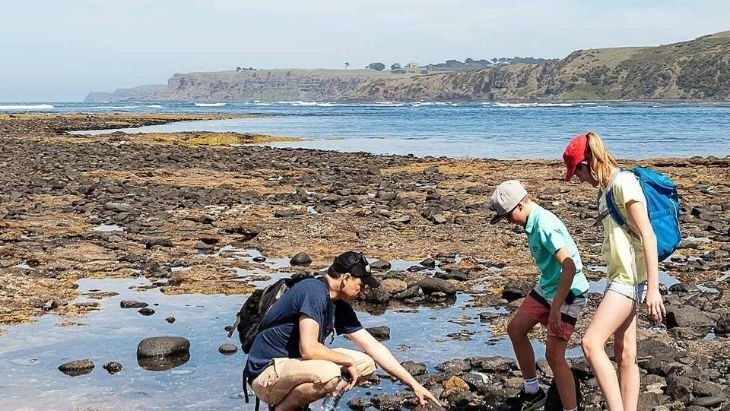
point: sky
(59, 50)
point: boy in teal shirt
(561, 281)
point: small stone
(132, 304)
(146, 311)
(259, 259)
(77, 367)
(203, 246)
(113, 367)
(380, 265)
(227, 349)
(170, 319)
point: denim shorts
(636, 292)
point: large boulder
(300, 259)
(381, 333)
(688, 316)
(163, 346)
(432, 285)
(163, 353)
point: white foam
(387, 104)
(210, 104)
(528, 105)
(26, 107)
(115, 107)
(154, 106)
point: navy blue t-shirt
(311, 298)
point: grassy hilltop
(698, 70)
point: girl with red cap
(632, 270)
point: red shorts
(535, 306)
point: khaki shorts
(284, 374)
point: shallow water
(481, 130)
(31, 353)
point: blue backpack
(662, 203)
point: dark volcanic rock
(688, 316)
(457, 275)
(679, 388)
(113, 367)
(132, 304)
(359, 403)
(491, 364)
(300, 259)
(77, 367)
(414, 368)
(514, 290)
(454, 367)
(376, 295)
(158, 241)
(163, 346)
(722, 327)
(146, 311)
(381, 333)
(380, 265)
(432, 285)
(227, 349)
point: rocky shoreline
(122, 205)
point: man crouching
(290, 367)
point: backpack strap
(245, 390)
(612, 209)
(615, 214)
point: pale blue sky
(59, 50)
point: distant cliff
(697, 69)
(141, 93)
(268, 85)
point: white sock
(531, 385)
(570, 409)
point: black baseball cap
(356, 265)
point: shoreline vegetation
(181, 198)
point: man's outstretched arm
(385, 359)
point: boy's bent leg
(555, 355)
(280, 379)
(517, 329)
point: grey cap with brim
(505, 198)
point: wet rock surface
(113, 367)
(77, 367)
(159, 347)
(181, 209)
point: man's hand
(554, 321)
(352, 370)
(424, 396)
(655, 305)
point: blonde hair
(601, 161)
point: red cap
(574, 153)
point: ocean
(460, 130)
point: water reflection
(162, 364)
